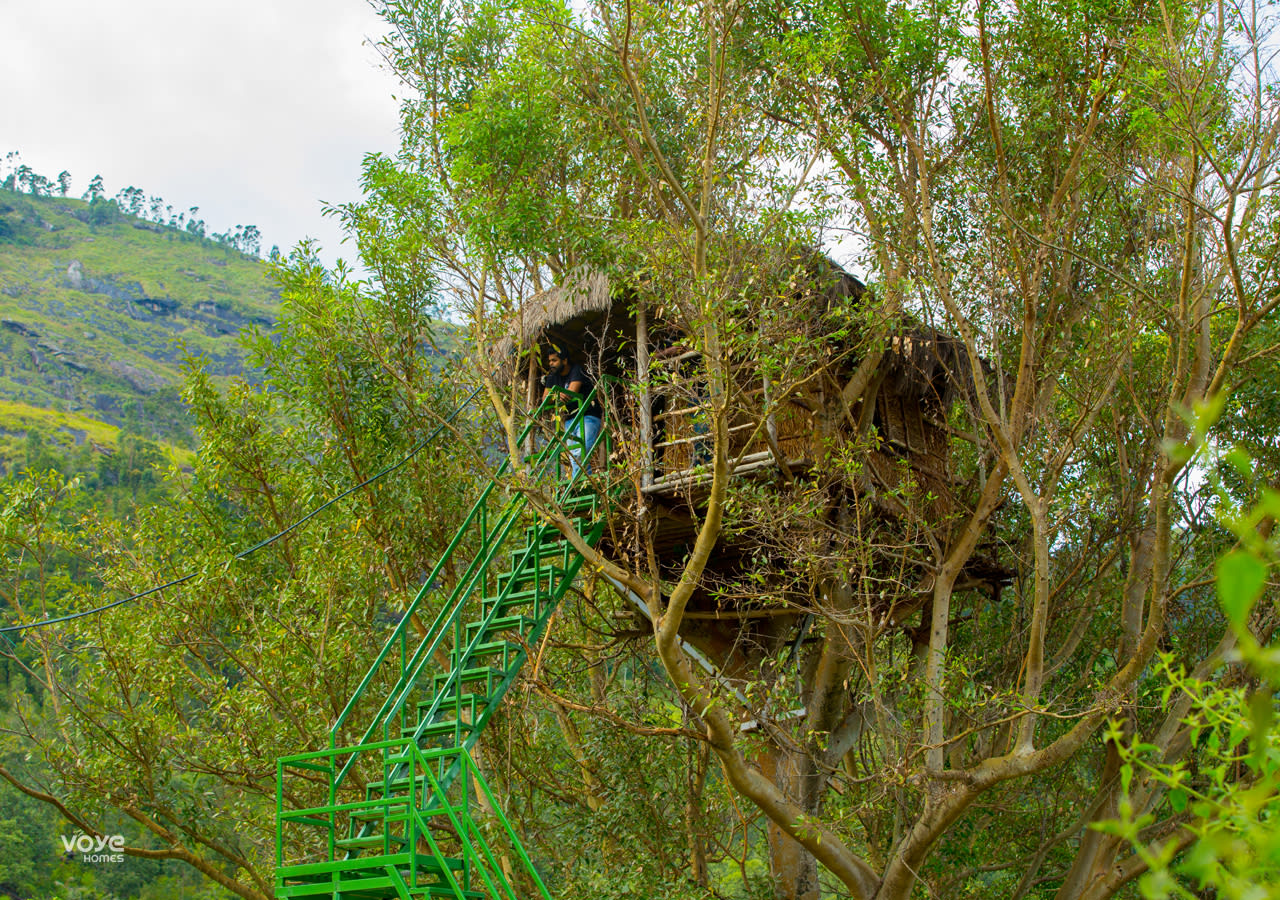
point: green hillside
(99, 309)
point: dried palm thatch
(574, 309)
(920, 361)
(928, 364)
(540, 316)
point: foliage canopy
(1082, 193)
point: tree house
(785, 428)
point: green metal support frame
(400, 873)
(385, 845)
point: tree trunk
(793, 869)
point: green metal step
(397, 787)
(366, 842)
(505, 649)
(427, 864)
(436, 729)
(544, 567)
(581, 503)
(370, 877)
(352, 868)
(548, 532)
(516, 604)
(522, 597)
(499, 624)
(380, 815)
(516, 597)
(449, 703)
(529, 557)
(466, 676)
(374, 887)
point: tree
(131, 200)
(12, 160)
(95, 190)
(161, 718)
(249, 239)
(245, 238)
(194, 225)
(64, 182)
(1081, 194)
(103, 211)
(25, 177)
(1230, 784)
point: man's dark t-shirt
(575, 373)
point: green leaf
(1261, 715)
(1178, 799)
(1241, 576)
(1269, 503)
(1241, 461)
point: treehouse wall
(659, 397)
(685, 440)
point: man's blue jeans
(580, 438)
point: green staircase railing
(404, 812)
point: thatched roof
(582, 291)
(575, 309)
(575, 314)
(928, 363)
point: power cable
(263, 543)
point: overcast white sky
(253, 110)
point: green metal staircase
(404, 812)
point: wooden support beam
(646, 396)
(752, 462)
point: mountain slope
(98, 311)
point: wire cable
(263, 543)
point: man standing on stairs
(564, 373)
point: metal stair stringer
(389, 844)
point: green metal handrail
(477, 854)
(453, 683)
(402, 756)
(464, 588)
(462, 655)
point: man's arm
(576, 379)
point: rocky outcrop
(159, 306)
(108, 335)
(220, 319)
(217, 318)
(138, 379)
(139, 305)
(19, 328)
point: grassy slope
(103, 341)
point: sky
(254, 110)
